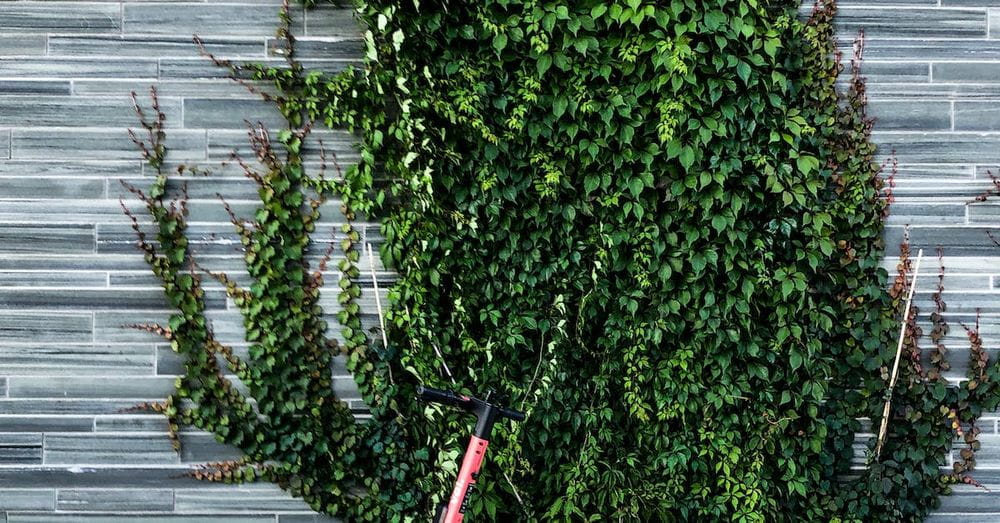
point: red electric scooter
(487, 412)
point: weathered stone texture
(70, 275)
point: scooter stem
(467, 477)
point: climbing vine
(655, 226)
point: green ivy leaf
(794, 360)
(687, 157)
(743, 70)
(807, 164)
(500, 42)
(559, 105)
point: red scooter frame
(487, 412)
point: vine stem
(378, 300)
(895, 365)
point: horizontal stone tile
(928, 280)
(169, 363)
(933, 171)
(925, 49)
(910, 190)
(37, 16)
(984, 213)
(200, 448)
(987, 172)
(988, 456)
(320, 48)
(34, 87)
(170, 45)
(887, 3)
(977, 116)
(207, 218)
(911, 116)
(20, 449)
(941, 516)
(62, 239)
(237, 500)
(51, 188)
(345, 388)
(48, 169)
(68, 211)
(54, 67)
(912, 23)
(91, 262)
(40, 423)
(922, 213)
(948, 148)
(110, 387)
(966, 72)
(200, 68)
(22, 44)
(207, 243)
(339, 144)
(971, 501)
(65, 406)
(111, 326)
(70, 517)
(116, 240)
(48, 279)
(957, 241)
(27, 499)
(96, 144)
(229, 169)
(216, 88)
(38, 327)
(995, 22)
(203, 19)
(198, 188)
(77, 360)
(109, 477)
(116, 500)
(118, 449)
(989, 326)
(131, 423)
(961, 302)
(969, 3)
(43, 298)
(877, 72)
(933, 91)
(79, 111)
(229, 114)
(148, 279)
(332, 21)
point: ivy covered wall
(71, 275)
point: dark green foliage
(655, 225)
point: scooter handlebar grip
(438, 396)
(513, 414)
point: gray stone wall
(934, 83)
(70, 276)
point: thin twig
(378, 300)
(895, 366)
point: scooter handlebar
(447, 397)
